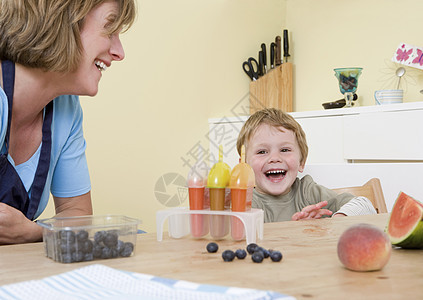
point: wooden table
(310, 268)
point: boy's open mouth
(274, 174)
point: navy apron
(12, 190)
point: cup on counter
(388, 96)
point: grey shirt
(306, 192)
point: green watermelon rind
(413, 239)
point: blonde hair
(276, 118)
(45, 34)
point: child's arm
(314, 211)
(356, 206)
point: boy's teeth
(100, 65)
(276, 172)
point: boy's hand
(314, 211)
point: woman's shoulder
(67, 108)
(66, 103)
(67, 114)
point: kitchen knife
(278, 49)
(264, 53)
(272, 55)
(261, 71)
(285, 45)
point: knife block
(273, 90)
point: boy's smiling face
(275, 156)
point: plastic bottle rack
(216, 223)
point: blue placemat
(102, 282)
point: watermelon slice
(405, 227)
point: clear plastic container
(217, 182)
(241, 183)
(86, 238)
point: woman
(48, 51)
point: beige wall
(183, 66)
(328, 34)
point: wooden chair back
(372, 190)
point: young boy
(276, 149)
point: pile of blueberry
(76, 246)
(257, 253)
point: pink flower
(419, 58)
(403, 54)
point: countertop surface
(335, 112)
(310, 268)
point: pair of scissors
(251, 68)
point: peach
(364, 247)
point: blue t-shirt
(68, 173)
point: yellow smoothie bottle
(217, 182)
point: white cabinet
(324, 138)
(369, 133)
(394, 135)
(348, 146)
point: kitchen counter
(310, 268)
(335, 111)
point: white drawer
(324, 139)
(384, 136)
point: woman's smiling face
(275, 156)
(99, 48)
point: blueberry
(212, 247)
(264, 251)
(120, 246)
(106, 253)
(82, 236)
(111, 239)
(128, 248)
(67, 247)
(97, 250)
(99, 236)
(87, 246)
(88, 257)
(67, 236)
(240, 253)
(115, 253)
(67, 258)
(251, 248)
(276, 256)
(257, 257)
(78, 256)
(228, 255)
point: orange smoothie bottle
(241, 183)
(217, 182)
(197, 179)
